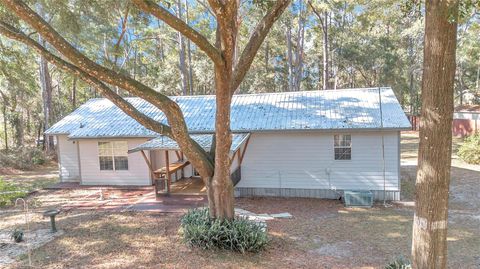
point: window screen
(113, 155)
(342, 147)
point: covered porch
(172, 173)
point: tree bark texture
(184, 77)
(228, 76)
(325, 51)
(429, 246)
(74, 93)
(221, 193)
(189, 53)
(46, 84)
(5, 130)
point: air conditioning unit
(358, 198)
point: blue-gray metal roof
(204, 140)
(304, 110)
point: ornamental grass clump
(469, 151)
(239, 234)
(399, 263)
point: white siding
(301, 161)
(68, 159)
(137, 173)
(466, 115)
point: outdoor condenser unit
(358, 198)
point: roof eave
(247, 131)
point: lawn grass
(17, 184)
(10, 192)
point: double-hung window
(113, 155)
(342, 146)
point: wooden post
(244, 149)
(179, 157)
(167, 171)
(183, 168)
(149, 164)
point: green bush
(469, 151)
(199, 230)
(17, 235)
(24, 158)
(9, 192)
(399, 263)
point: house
(466, 120)
(295, 144)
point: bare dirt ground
(322, 234)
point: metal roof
(204, 140)
(304, 110)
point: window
(113, 155)
(342, 147)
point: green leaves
(241, 235)
(469, 151)
(9, 192)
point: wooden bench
(165, 173)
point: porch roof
(204, 140)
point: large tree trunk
(220, 187)
(47, 88)
(5, 129)
(324, 26)
(74, 93)
(221, 184)
(325, 51)
(181, 55)
(189, 53)
(429, 246)
(299, 52)
(227, 80)
(477, 81)
(289, 58)
(16, 120)
(46, 84)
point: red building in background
(466, 120)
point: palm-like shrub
(469, 151)
(239, 234)
(399, 263)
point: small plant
(9, 192)
(399, 263)
(469, 151)
(239, 234)
(17, 235)
(23, 158)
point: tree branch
(179, 25)
(13, 33)
(255, 42)
(171, 109)
(315, 11)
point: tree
(429, 246)
(214, 167)
(324, 26)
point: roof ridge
(257, 94)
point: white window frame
(342, 147)
(113, 155)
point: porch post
(167, 171)
(183, 168)
(148, 164)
